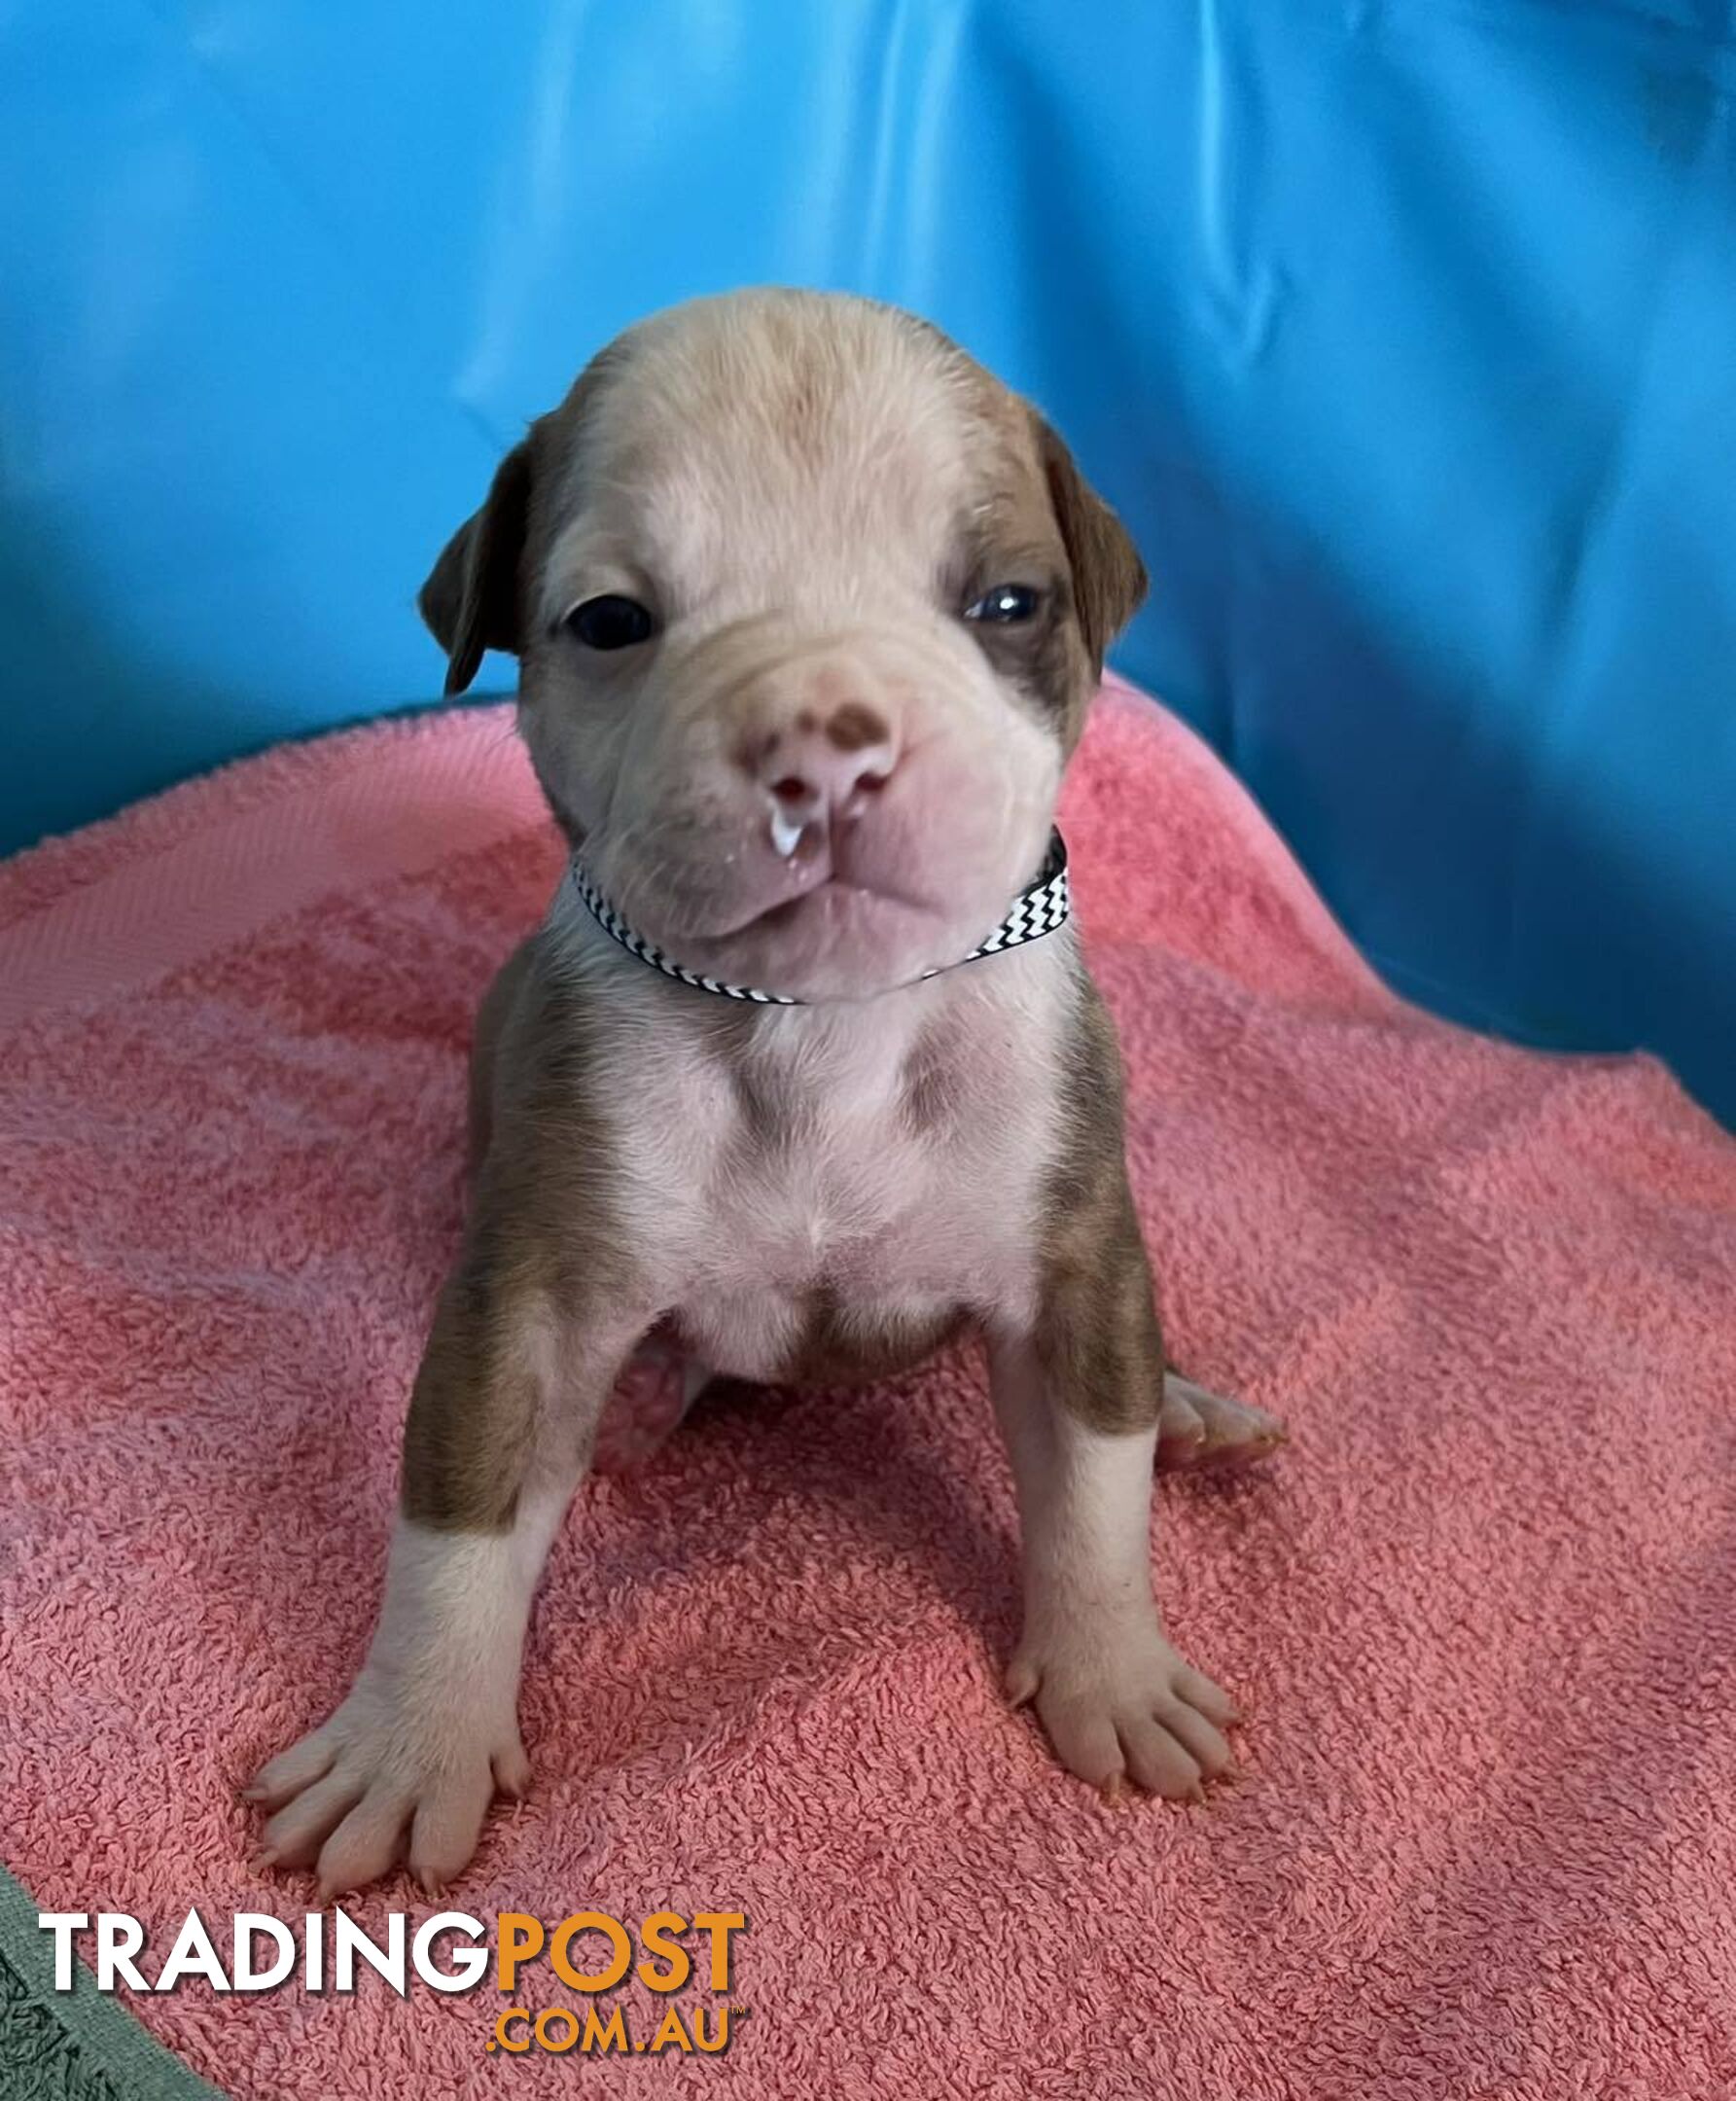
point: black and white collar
(1039, 908)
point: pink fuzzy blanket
(1480, 1613)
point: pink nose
(827, 765)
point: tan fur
(1109, 579)
(1099, 1335)
(544, 1249)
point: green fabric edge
(76, 2045)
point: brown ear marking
(1109, 579)
(471, 598)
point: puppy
(803, 1073)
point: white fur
(902, 1224)
(430, 1728)
(1114, 1695)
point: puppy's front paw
(1119, 1701)
(387, 1768)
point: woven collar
(1042, 907)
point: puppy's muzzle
(824, 763)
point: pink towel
(1480, 1613)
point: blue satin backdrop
(1402, 332)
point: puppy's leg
(1079, 1388)
(520, 1360)
(1112, 1693)
(1201, 1429)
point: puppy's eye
(1005, 606)
(609, 622)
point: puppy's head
(810, 609)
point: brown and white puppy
(810, 609)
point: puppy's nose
(826, 764)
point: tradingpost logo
(685, 1961)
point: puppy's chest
(837, 1212)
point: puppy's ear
(471, 598)
(1109, 579)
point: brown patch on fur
(469, 1436)
(1043, 656)
(766, 1119)
(1109, 579)
(750, 754)
(1037, 520)
(931, 1085)
(1098, 1334)
(853, 726)
(475, 597)
(838, 1349)
(541, 1250)
(1056, 672)
(808, 404)
(471, 598)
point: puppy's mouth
(807, 929)
(829, 893)
(835, 910)
(821, 881)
